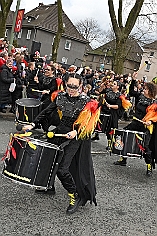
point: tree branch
(113, 18)
(120, 14)
(133, 16)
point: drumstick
(60, 135)
(142, 66)
(138, 120)
(51, 135)
(36, 90)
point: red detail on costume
(59, 81)
(91, 106)
(13, 152)
(140, 146)
(111, 132)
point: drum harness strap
(10, 148)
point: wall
(150, 74)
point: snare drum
(32, 162)
(27, 109)
(105, 120)
(128, 143)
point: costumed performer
(111, 104)
(79, 118)
(140, 121)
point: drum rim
(28, 105)
(130, 131)
(39, 142)
(105, 114)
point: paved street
(126, 200)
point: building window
(68, 44)
(151, 54)
(20, 34)
(107, 61)
(148, 67)
(101, 59)
(94, 58)
(6, 33)
(64, 60)
(28, 34)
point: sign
(19, 19)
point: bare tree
(5, 8)
(123, 28)
(91, 31)
(59, 32)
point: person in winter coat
(6, 78)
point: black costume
(76, 168)
(112, 98)
(48, 83)
(140, 111)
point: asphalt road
(126, 200)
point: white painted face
(73, 87)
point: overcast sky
(75, 9)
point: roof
(152, 45)
(134, 50)
(45, 17)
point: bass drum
(32, 162)
(127, 143)
(27, 109)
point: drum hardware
(98, 152)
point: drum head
(28, 102)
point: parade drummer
(141, 122)
(111, 104)
(79, 118)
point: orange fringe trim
(125, 103)
(151, 113)
(87, 120)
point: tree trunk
(122, 32)
(59, 32)
(120, 56)
(2, 26)
(5, 8)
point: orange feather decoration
(151, 113)
(87, 120)
(125, 103)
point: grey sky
(75, 9)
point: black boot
(75, 202)
(149, 170)
(120, 162)
(49, 191)
(95, 137)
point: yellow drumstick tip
(50, 134)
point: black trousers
(63, 172)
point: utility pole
(13, 26)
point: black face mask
(70, 86)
